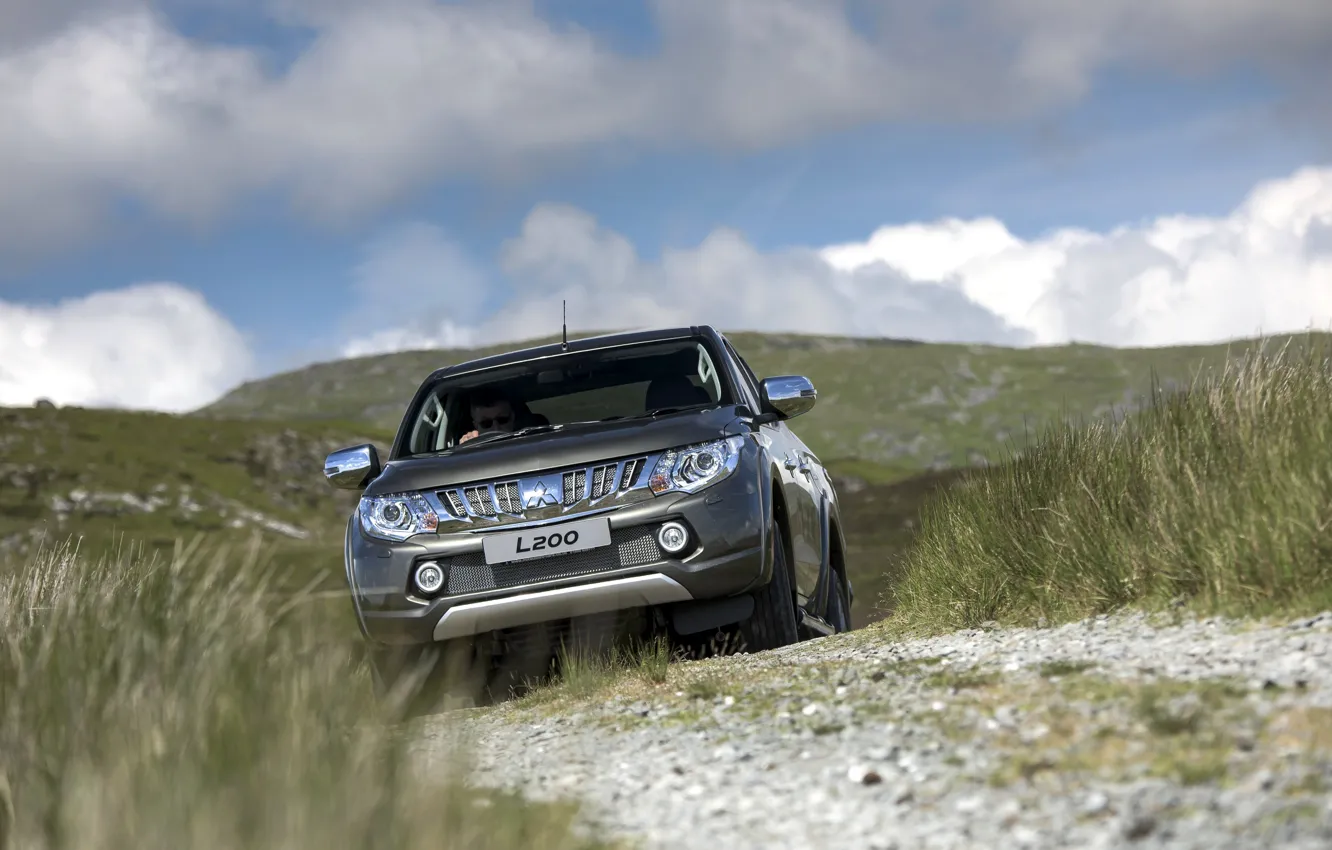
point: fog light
(673, 537)
(429, 577)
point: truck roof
(553, 349)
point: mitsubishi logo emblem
(539, 497)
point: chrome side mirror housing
(789, 395)
(352, 468)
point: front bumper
(728, 525)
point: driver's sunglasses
(484, 424)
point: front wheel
(773, 622)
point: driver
(492, 412)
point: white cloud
(562, 254)
(118, 106)
(1169, 281)
(1265, 268)
(152, 346)
(114, 102)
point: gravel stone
(862, 775)
(863, 760)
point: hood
(579, 446)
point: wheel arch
(781, 518)
(832, 560)
(835, 548)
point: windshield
(615, 383)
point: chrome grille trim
(553, 494)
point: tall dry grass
(1218, 497)
(178, 705)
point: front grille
(630, 547)
(545, 495)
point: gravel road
(1112, 732)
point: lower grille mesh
(630, 547)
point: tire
(773, 623)
(839, 606)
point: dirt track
(1106, 733)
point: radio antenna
(564, 325)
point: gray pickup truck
(648, 473)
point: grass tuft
(584, 671)
(180, 704)
(1218, 497)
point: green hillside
(117, 478)
(886, 406)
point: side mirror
(353, 468)
(789, 395)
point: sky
(196, 193)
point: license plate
(546, 541)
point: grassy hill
(113, 478)
(886, 408)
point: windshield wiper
(487, 439)
(523, 432)
(509, 435)
(662, 411)
(649, 415)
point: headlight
(692, 468)
(397, 517)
